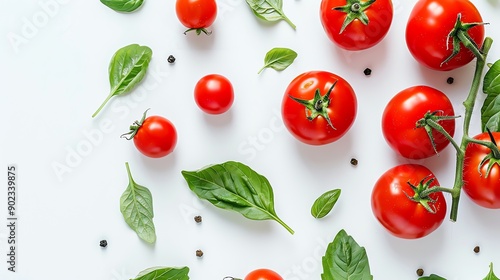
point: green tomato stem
(494, 149)
(102, 105)
(440, 129)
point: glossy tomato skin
(398, 214)
(263, 274)
(196, 13)
(401, 115)
(356, 36)
(214, 94)
(156, 137)
(484, 191)
(342, 109)
(428, 27)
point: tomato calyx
(354, 9)
(431, 121)
(230, 278)
(421, 193)
(459, 34)
(491, 159)
(134, 127)
(318, 106)
(198, 31)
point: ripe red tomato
(356, 34)
(429, 25)
(196, 14)
(262, 274)
(214, 94)
(154, 136)
(400, 215)
(318, 107)
(401, 115)
(483, 190)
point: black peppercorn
(103, 243)
(450, 80)
(171, 59)
(420, 272)
(368, 71)
(354, 161)
(476, 249)
(197, 219)
(199, 253)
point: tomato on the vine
(400, 204)
(154, 136)
(405, 109)
(259, 274)
(196, 15)
(214, 94)
(318, 107)
(356, 25)
(481, 177)
(428, 29)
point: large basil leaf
(345, 259)
(136, 205)
(490, 111)
(235, 186)
(127, 68)
(324, 203)
(491, 275)
(278, 59)
(432, 277)
(125, 6)
(269, 10)
(163, 273)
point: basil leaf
(235, 186)
(279, 59)
(432, 277)
(324, 204)
(127, 68)
(490, 111)
(125, 6)
(491, 275)
(269, 10)
(345, 259)
(136, 205)
(163, 273)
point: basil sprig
(163, 273)
(136, 205)
(490, 111)
(235, 186)
(279, 59)
(127, 68)
(269, 10)
(125, 6)
(324, 203)
(345, 259)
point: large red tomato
(428, 27)
(480, 184)
(196, 14)
(318, 107)
(356, 25)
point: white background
(56, 77)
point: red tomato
(322, 119)
(429, 25)
(196, 14)
(214, 94)
(399, 214)
(154, 136)
(263, 274)
(356, 35)
(401, 115)
(481, 186)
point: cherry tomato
(214, 94)
(259, 274)
(480, 185)
(154, 136)
(399, 121)
(196, 14)
(396, 204)
(318, 107)
(354, 24)
(429, 25)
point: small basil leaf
(490, 111)
(432, 277)
(127, 68)
(235, 186)
(269, 10)
(278, 59)
(324, 203)
(163, 273)
(491, 275)
(125, 6)
(136, 205)
(345, 259)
